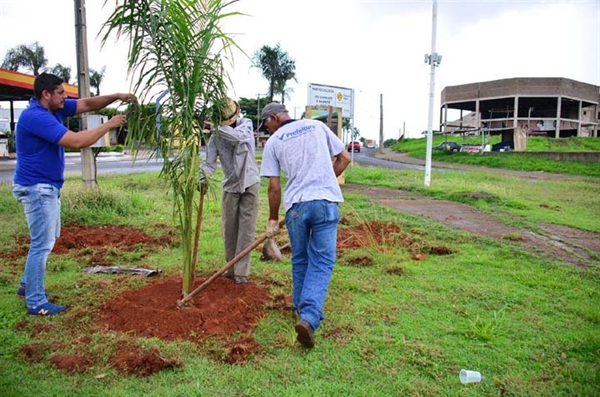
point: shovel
(260, 239)
(271, 251)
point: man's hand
(203, 185)
(272, 228)
(117, 121)
(127, 98)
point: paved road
(372, 158)
(118, 163)
(115, 163)
(106, 163)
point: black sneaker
(305, 334)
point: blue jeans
(312, 227)
(41, 204)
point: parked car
(504, 146)
(354, 146)
(450, 146)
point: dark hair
(45, 81)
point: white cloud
(374, 47)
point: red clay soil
(223, 308)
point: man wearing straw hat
(233, 144)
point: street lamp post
(434, 59)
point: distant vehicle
(449, 146)
(369, 143)
(503, 146)
(354, 147)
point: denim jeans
(312, 227)
(41, 204)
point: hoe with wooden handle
(260, 239)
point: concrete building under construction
(553, 107)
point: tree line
(32, 58)
(277, 67)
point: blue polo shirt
(40, 159)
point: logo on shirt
(296, 133)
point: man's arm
(100, 102)
(243, 131)
(274, 193)
(209, 165)
(341, 162)
(83, 139)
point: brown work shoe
(305, 334)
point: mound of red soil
(223, 308)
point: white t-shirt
(303, 150)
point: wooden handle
(222, 270)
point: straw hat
(230, 113)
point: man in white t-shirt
(303, 149)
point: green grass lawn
(511, 160)
(398, 327)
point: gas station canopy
(15, 86)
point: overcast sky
(374, 47)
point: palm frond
(175, 46)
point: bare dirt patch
(142, 363)
(223, 308)
(70, 363)
(571, 245)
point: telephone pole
(380, 150)
(88, 162)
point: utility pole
(257, 111)
(380, 124)
(88, 162)
(434, 59)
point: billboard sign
(327, 95)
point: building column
(477, 118)
(13, 125)
(558, 107)
(579, 121)
(516, 114)
(445, 116)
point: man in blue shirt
(39, 175)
